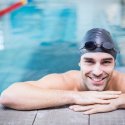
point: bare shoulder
(61, 81)
(72, 74)
(119, 80)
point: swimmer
(96, 87)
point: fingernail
(70, 107)
(75, 109)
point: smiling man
(96, 70)
(97, 87)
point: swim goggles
(106, 46)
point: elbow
(12, 97)
(6, 99)
(9, 98)
(11, 101)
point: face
(96, 69)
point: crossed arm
(113, 104)
(26, 96)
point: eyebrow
(110, 59)
(87, 58)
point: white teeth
(96, 80)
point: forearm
(31, 97)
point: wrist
(121, 101)
(74, 97)
(80, 98)
(71, 97)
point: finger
(99, 108)
(112, 92)
(95, 109)
(79, 108)
(101, 101)
(108, 96)
(71, 107)
(91, 111)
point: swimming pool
(41, 38)
(37, 43)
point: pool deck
(59, 116)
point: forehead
(97, 56)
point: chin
(96, 88)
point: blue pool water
(42, 38)
(37, 41)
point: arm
(47, 92)
(50, 91)
(23, 96)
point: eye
(106, 62)
(89, 62)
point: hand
(95, 97)
(95, 108)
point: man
(97, 87)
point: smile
(97, 81)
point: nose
(97, 70)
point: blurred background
(43, 36)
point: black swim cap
(98, 40)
